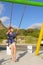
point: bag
(8, 50)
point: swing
(32, 3)
(8, 50)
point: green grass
(1, 41)
(30, 40)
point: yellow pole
(39, 40)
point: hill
(29, 35)
(1, 25)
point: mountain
(1, 25)
(35, 26)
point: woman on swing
(11, 35)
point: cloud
(35, 26)
(1, 8)
(3, 19)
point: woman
(11, 35)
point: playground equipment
(8, 49)
(25, 2)
(21, 16)
(39, 40)
(32, 3)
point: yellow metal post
(39, 40)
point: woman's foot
(14, 60)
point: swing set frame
(27, 2)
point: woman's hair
(10, 28)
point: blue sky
(38, 0)
(33, 15)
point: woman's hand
(8, 32)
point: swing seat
(8, 50)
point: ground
(23, 58)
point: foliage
(29, 34)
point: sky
(32, 15)
(38, 0)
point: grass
(1, 41)
(28, 39)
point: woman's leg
(14, 53)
